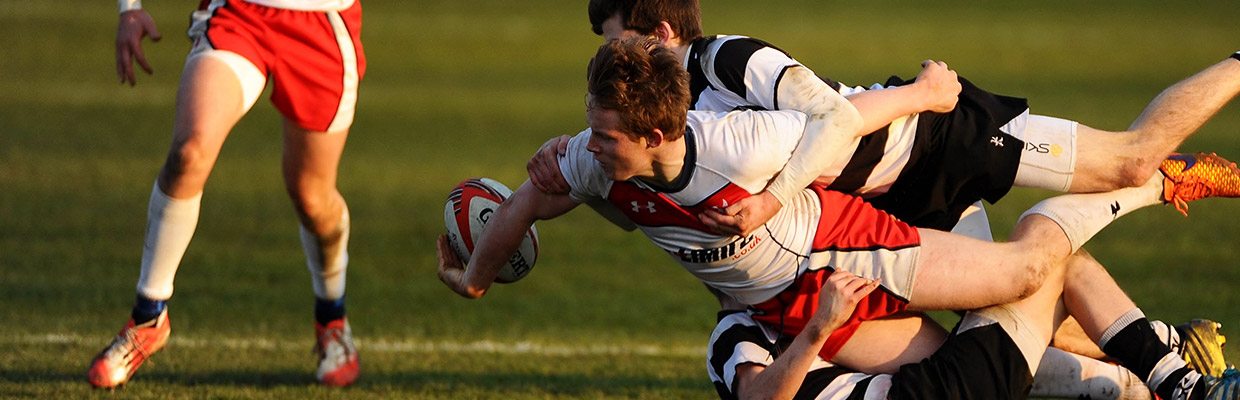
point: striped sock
(1133, 341)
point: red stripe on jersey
(792, 309)
(649, 208)
(850, 223)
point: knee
(317, 208)
(188, 159)
(1031, 277)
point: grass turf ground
(468, 88)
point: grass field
(465, 88)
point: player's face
(622, 157)
(613, 29)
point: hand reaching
(132, 27)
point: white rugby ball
(470, 205)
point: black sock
(145, 309)
(328, 310)
(1139, 349)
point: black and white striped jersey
(924, 168)
(731, 72)
(738, 339)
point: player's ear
(664, 32)
(654, 139)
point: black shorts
(981, 363)
(957, 159)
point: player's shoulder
(733, 46)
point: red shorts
(852, 236)
(314, 58)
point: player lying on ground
(311, 52)
(992, 141)
(991, 354)
(661, 169)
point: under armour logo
(997, 141)
(638, 207)
(1115, 210)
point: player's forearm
(879, 107)
(832, 125)
(504, 233)
(783, 378)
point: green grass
(464, 88)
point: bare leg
(914, 336)
(310, 167)
(1111, 160)
(209, 104)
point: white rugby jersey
(731, 72)
(738, 339)
(729, 156)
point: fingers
(544, 167)
(722, 223)
(141, 57)
(123, 70)
(562, 145)
(446, 256)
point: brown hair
(643, 16)
(644, 82)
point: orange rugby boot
(1189, 177)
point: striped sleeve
(747, 68)
(736, 340)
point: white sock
(1070, 376)
(1081, 216)
(170, 225)
(327, 258)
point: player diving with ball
(644, 147)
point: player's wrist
(128, 5)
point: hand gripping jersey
(923, 168)
(730, 156)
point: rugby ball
(470, 205)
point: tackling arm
(781, 380)
(501, 237)
(936, 90)
(832, 124)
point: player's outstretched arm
(130, 29)
(937, 89)
(781, 380)
(503, 234)
(544, 166)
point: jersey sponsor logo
(1053, 149)
(735, 250)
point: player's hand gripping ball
(470, 205)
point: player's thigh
(210, 100)
(1050, 156)
(956, 272)
(883, 345)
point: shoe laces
(334, 334)
(1186, 191)
(126, 344)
